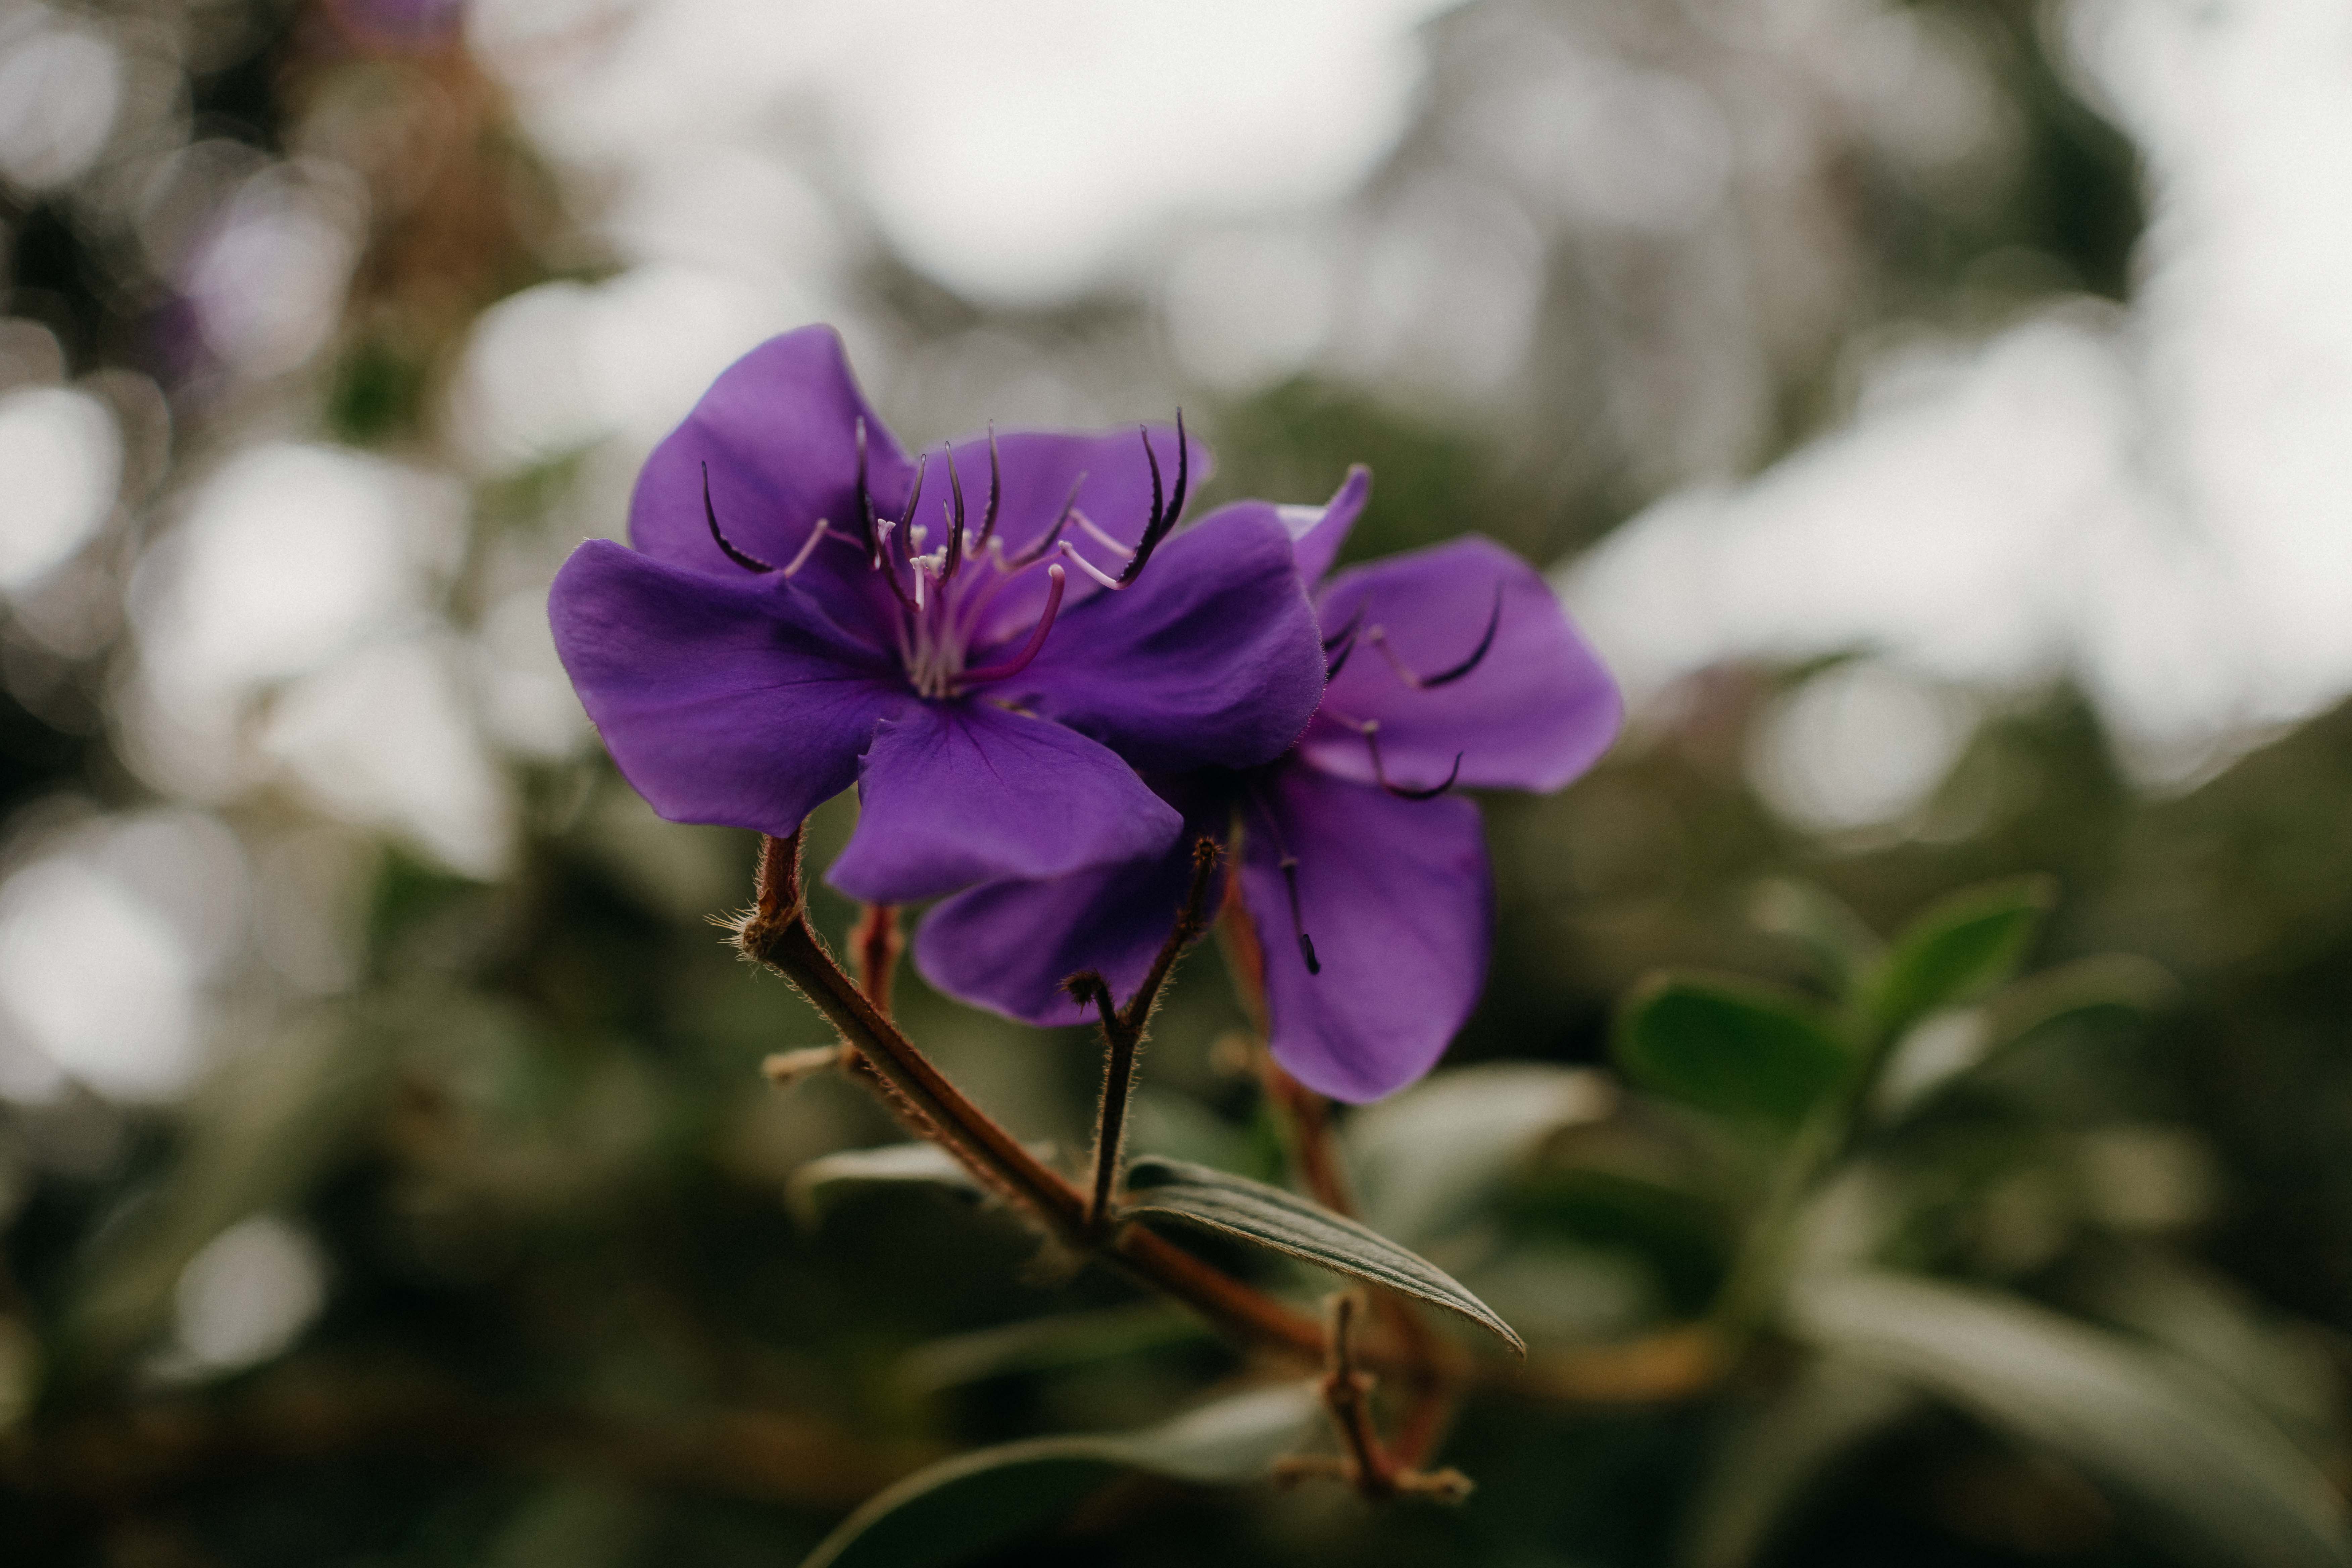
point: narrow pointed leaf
(1958, 949)
(962, 1508)
(1284, 1221)
(1731, 1046)
(2203, 1470)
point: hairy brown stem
(1123, 1030)
(776, 933)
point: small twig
(1123, 1030)
(1348, 1396)
(1366, 1464)
(877, 945)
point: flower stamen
(710, 515)
(1102, 536)
(1379, 638)
(1038, 551)
(1091, 570)
(1055, 577)
(816, 537)
(1162, 522)
(1369, 729)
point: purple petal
(777, 432)
(1537, 710)
(1209, 658)
(1318, 532)
(961, 792)
(1009, 945)
(728, 700)
(1396, 899)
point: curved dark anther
(710, 515)
(1339, 645)
(1370, 731)
(1306, 942)
(1163, 518)
(1184, 472)
(865, 500)
(1478, 653)
(1036, 552)
(914, 498)
(995, 493)
(881, 557)
(955, 522)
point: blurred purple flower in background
(788, 623)
(1451, 666)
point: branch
(776, 933)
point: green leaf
(1731, 1046)
(1774, 1454)
(963, 1507)
(1841, 946)
(925, 1165)
(1960, 949)
(1425, 1159)
(1940, 1050)
(1287, 1223)
(2205, 1473)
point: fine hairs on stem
(1123, 1030)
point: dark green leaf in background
(2201, 1470)
(1958, 949)
(1289, 1224)
(1731, 1046)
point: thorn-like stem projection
(1123, 1030)
(710, 515)
(776, 933)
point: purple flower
(983, 641)
(1367, 879)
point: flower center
(945, 592)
